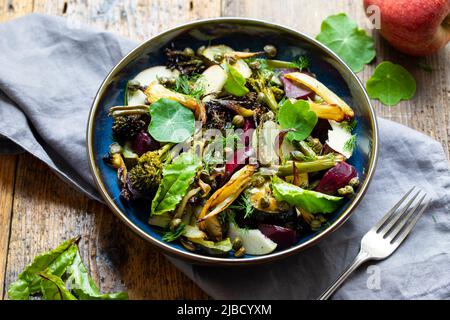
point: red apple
(414, 27)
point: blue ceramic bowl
(239, 34)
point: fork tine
(404, 220)
(385, 229)
(392, 211)
(397, 241)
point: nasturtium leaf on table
(53, 288)
(391, 83)
(297, 115)
(350, 43)
(177, 177)
(54, 262)
(170, 121)
(84, 287)
(311, 201)
(235, 83)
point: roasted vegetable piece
(219, 53)
(225, 196)
(234, 106)
(146, 175)
(127, 127)
(212, 81)
(143, 143)
(321, 90)
(283, 237)
(156, 91)
(261, 198)
(336, 178)
(260, 85)
(294, 90)
(327, 111)
(221, 248)
(319, 164)
(185, 61)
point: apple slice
(212, 81)
(137, 97)
(254, 241)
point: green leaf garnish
(190, 86)
(311, 201)
(177, 177)
(391, 83)
(54, 262)
(349, 42)
(84, 287)
(235, 83)
(44, 276)
(53, 288)
(171, 236)
(297, 116)
(171, 122)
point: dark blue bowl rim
(202, 259)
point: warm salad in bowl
(232, 151)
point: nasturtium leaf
(235, 83)
(298, 116)
(177, 177)
(391, 83)
(53, 288)
(170, 121)
(55, 262)
(84, 287)
(19, 290)
(311, 201)
(342, 35)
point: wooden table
(38, 211)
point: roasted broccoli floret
(126, 127)
(259, 83)
(146, 175)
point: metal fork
(385, 237)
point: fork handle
(360, 259)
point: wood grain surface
(38, 211)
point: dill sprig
(302, 62)
(350, 126)
(350, 144)
(244, 205)
(190, 86)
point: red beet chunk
(143, 143)
(283, 237)
(336, 178)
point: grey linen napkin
(49, 75)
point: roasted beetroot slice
(143, 143)
(283, 237)
(336, 178)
